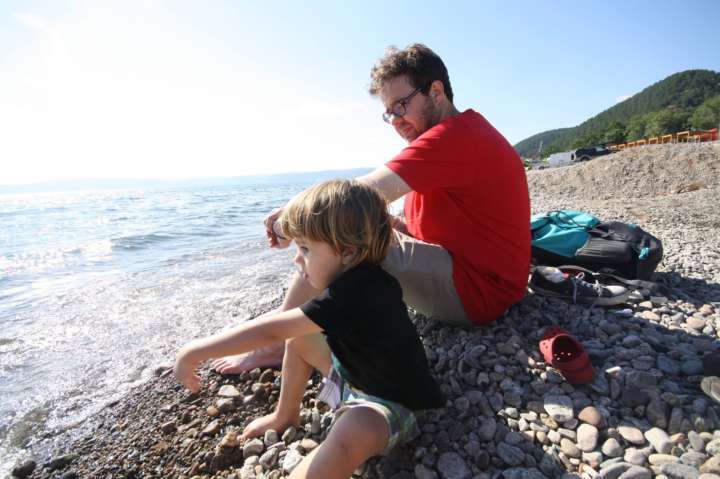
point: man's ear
(348, 255)
(437, 91)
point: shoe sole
(614, 301)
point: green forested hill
(690, 99)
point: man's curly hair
(418, 62)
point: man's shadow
(648, 368)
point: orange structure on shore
(679, 137)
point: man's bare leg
(302, 355)
(299, 292)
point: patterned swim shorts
(340, 396)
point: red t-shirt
(470, 196)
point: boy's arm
(248, 336)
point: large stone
(659, 440)
(291, 460)
(269, 458)
(650, 316)
(660, 459)
(511, 455)
(713, 447)
(560, 408)
(486, 431)
(633, 397)
(212, 428)
(228, 391)
(711, 466)
(253, 447)
(423, 472)
(569, 448)
(308, 444)
(631, 434)
(60, 462)
(696, 323)
(587, 437)
(592, 416)
(612, 448)
(656, 412)
(692, 367)
(23, 470)
(613, 471)
(641, 379)
(636, 472)
(696, 442)
(693, 459)
(667, 365)
(270, 437)
(593, 459)
(522, 473)
(674, 470)
(451, 465)
(635, 456)
(676, 419)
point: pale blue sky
(168, 89)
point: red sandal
(566, 354)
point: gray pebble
(451, 465)
(511, 455)
(612, 448)
(659, 440)
(675, 470)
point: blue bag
(568, 237)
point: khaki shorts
(425, 273)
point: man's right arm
(387, 182)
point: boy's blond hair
(345, 214)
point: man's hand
(275, 238)
(184, 370)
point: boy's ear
(348, 255)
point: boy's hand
(184, 370)
(275, 239)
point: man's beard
(431, 115)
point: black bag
(611, 247)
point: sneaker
(551, 281)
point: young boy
(357, 333)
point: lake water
(99, 287)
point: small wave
(136, 242)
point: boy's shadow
(495, 380)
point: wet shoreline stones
(508, 413)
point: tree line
(684, 101)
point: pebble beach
(508, 413)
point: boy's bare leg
(302, 355)
(299, 292)
(358, 435)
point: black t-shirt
(368, 330)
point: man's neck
(448, 111)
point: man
(463, 252)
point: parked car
(585, 154)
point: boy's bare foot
(272, 421)
(270, 356)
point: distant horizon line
(54, 185)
